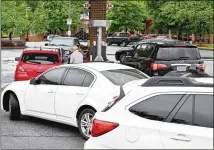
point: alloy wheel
(86, 122)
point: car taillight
(20, 69)
(129, 38)
(155, 66)
(102, 127)
(202, 66)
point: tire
(82, 116)
(118, 44)
(122, 58)
(123, 44)
(14, 108)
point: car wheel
(118, 44)
(14, 108)
(85, 122)
(123, 44)
(122, 58)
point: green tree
(182, 16)
(127, 15)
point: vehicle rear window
(40, 58)
(122, 76)
(178, 53)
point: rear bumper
(92, 144)
(21, 76)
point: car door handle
(181, 137)
(51, 91)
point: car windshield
(40, 58)
(178, 53)
(122, 76)
(64, 41)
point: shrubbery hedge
(11, 43)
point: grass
(205, 46)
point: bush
(12, 43)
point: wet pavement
(34, 133)
(8, 63)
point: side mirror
(17, 59)
(33, 81)
(46, 44)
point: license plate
(181, 68)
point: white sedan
(69, 94)
(156, 117)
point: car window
(40, 58)
(184, 114)
(145, 50)
(63, 41)
(176, 53)
(204, 111)
(74, 77)
(52, 77)
(122, 76)
(157, 107)
(89, 78)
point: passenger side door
(152, 112)
(190, 125)
(72, 92)
(39, 98)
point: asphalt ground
(34, 133)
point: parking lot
(31, 133)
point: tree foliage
(127, 15)
(183, 16)
(39, 16)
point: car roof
(162, 42)
(100, 66)
(38, 50)
(65, 37)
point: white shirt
(76, 57)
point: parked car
(158, 57)
(70, 94)
(52, 36)
(34, 61)
(119, 38)
(170, 113)
(133, 39)
(121, 53)
(64, 45)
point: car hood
(15, 86)
(127, 49)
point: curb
(205, 49)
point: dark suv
(158, 57)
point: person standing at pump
(76, 57)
